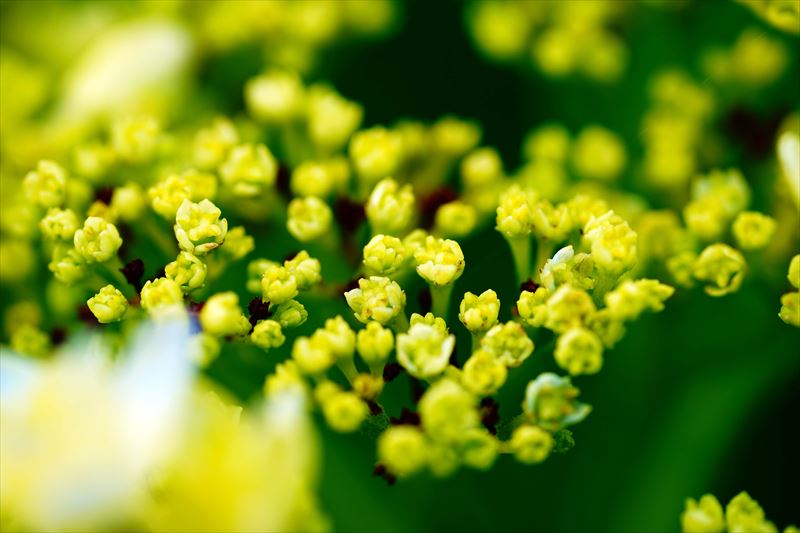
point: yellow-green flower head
(97, 241)
(514, 212)
(222, 316)
(30, 340)
(376, 298)
(583, 208)
(551, 223)
(305, 269)
(448, 411)
(481, 167)
(390, 207)
(339, 337)
(598, 154)
(313, 178)
(569, 268)
(108, 305)
(579, 351)
(18, 218)
(661, 235)
(59, 224)
(374, 344)
(289, 314)
(631, 298)
(331, 118)
(549, 142)
(275, 97)
(101, 210)
(187, 271)
(17, 260)
(344, 411)
(136, 139)
(255, 270)
(613, 242)
(47, 185)
(479, 313)
(743, 513)
(443, 459)
(403, 450)
(722, 268)
(384, 255)
(794, 272)
(267, 334)
(376, 153)
(248, 170)
(500, 29)
(454, 137)
(508, 343)
(705, 218)
(790, 308)
(547, 177)
(92, 160)
(128, 202)
(531, 444)
(431, 320)
(704, 516)
(727, 188)
(606, 326)
(199, 228)
(369, 386)
(22, 312)
(456, 219)
(753, 230)
(556, 51)
(161, 293)
(66, 264)
(309, 218)
(414, 240)
(532, 306)
(287, 377)
(439, 261)
(567, 307)
(483, 373)
(550, 402)
(168, 194)
(211, 144)
(237, 243)
(312, 357)
(278, 285)
(681, 268)
(478, 449)
(424, 351)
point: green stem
(110, 271)
(440, 299)
(166, 245)
(348, 368)
(544, 251)
(400, 322)
(521, 251)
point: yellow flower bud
(374, 344)
(331, 118)
(30, 340)
(514, 212)
(550, 142)
(532, 306)
(248, 170)
(237, 243)
(568, 268)
(508, 343)
(550, 401)
(339, 337)
(384, 255)
(456, 219)
(443, 460)
(59, 224)
(481, 167)
(606, 326)
(305, 269)
(790, 308)
(199, 228)
(551, 223)
(92, 160)
(47, 185)
(390, 207)
(681, 268)
(568, 307)
(108, 305)
(287, 377)
(127, 202)
(531, 444)
(631, 298)
(448, 411)
(403, 450)
(368, 386)
(101, 210)
(267, 334)
(722, 268)
(221, 316)
(289, 314)
(424, 351)
(794, 272)
(17, 260)
(255, 270)
(344, 411)
(598, 154)
(613, 242)
(67, 265)
(187, 271)
(453, 137)
(168, 194)
(135, 140)
(479, 313)
(429, 319)
(275, 97)
(583, 208)
(753, 230)
(500, 29)
(97, 241)
(483, 373)
(704, 516)
(705, 218)
(312, 178)
(376, 298)
(579, 351)
(309, 218)
(206, 349)
(212, 144)
(311, 356)
(743, 513)
(439, 261)
(478, 449)
(376, 154)
(161, 293)
(278, 285)
(556, 51)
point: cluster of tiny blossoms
(742, 513)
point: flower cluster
(742, 513)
